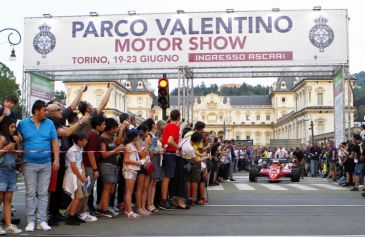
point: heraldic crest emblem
(44, 42)
(321, 35)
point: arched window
(320, 92)
(140, 84)
(321, 126)
(283, 85)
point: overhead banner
(339, 99)
(205, 39)
(41, 88)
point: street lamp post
(312, 130)
(12, 41)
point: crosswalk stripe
(329, 186)
(216, 188)
(302, 187)
(244, 187)
(274, 187)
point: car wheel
(295, 175)
(253, 175)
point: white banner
(339, 94)
(207, 39)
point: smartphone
(85, 88)
(108, 85)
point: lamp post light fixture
(312, 130)
(12, 41)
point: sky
(14, 11)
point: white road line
(286, 205)
(244, 187)
(216, 188)
(274, 187)
(302, 187)
(329, 186)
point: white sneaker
(30, 227)
(87, 217)
(12, 229)
(116, 209)
(2, 231)
(114, 213)
(43, 226)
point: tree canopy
(244, 89)
(8, 86)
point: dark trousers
(226, 171)
(55, 197)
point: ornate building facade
(285, 113)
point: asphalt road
(312, 207)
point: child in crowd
(108, 166)
(74, 180)
(131, 167)
(143, 179)
(7, 110)
(9, 140)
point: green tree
(8, 86)
(60, 96)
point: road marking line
(75, 235)
(274, 187)
(244, 187)
(216, 188)
(285, 205)
(302, 187)
(329, 186)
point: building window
(248, 137)
(310, 97)
(267, 117)
(127, 84)
(156, 118)
(247, 117)
(139, 84)
(283, 85)
(237, 137)
(283, 99)
(320, 98)
(258, 117)
(320, 126)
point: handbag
(149, 167)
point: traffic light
(163, 93)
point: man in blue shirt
(39, 134)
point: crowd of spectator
(137, 170)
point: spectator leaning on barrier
(359, 159)
(9, 140)
(38, 134)
(75, 181)
(170, 141)
(7, 110)
(64, 133)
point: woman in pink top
(131, 166)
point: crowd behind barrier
(138, 170)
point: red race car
(274, 169)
